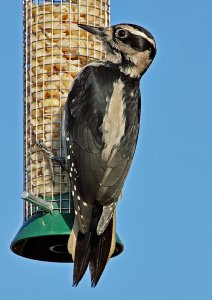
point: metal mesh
(55, 49)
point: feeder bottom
(45, 236)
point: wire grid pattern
(55, 50)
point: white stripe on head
(138, 32)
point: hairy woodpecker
(100, 131)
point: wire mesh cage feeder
(55, 49)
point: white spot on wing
(85, 204)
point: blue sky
(165, 215)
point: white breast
(113, 125)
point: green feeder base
(45, 236)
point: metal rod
(37, 201)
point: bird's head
(130, 46)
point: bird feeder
(55, 49)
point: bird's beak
(102, 33)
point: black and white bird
(100, 131)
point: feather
(91, 249)
(107, 213)
(82, 256)
(72, 239)
(101, 250)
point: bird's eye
(121, 33)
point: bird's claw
(50, 156)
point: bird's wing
(83, 116)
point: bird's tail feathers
(82, 256)
(73, 239)
(94, 250)
(103, 247)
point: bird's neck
(134, 66)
